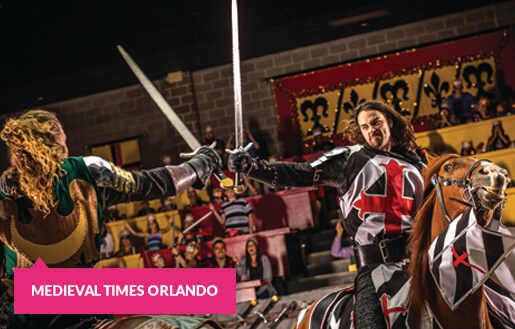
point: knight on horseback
(380, 188)
(44, 188)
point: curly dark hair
(403, 137)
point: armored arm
(329, 170)
(116, 185)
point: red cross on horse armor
(462, 259)
(387, 311)
(393, 204)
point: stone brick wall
(214, 85)
(206, 96)
(129, 112)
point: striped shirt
(237, 215)
(154, 241)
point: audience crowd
(236, 215)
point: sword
(262, 315)
(239, 188)
(170, 114)
(275, 322)
(243, 315)
(196, 223)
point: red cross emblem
(462, 259)
(393, 203)
(387, 311)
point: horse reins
(468, 199)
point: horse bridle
(467, 198)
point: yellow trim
(56, 252)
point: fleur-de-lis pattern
(479, 76)
(396, 94)
(416, 94)
(436, 91)
(353, 102)
(428, 73)
(315, 116)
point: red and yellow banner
(415, 82)
(125, 154)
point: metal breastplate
(60, 241)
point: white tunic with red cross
(382, 197)
(379, 199)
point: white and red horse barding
(462, 271)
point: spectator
(106, 243)
(220, 258)
(482, 108)
(320, 145)
(167, 205)
(445, 118)
(256, 266)
(209, 138)
(112, 214)
(158, 260)
(167, 160)
(500, 110)
(189, 260)
(467, 148)
(217, 195)
(336, 249)
(194, 199)
(145, 209)
(237, 216)
(191, 235)
(247, 139)
(498, 140)
(154, 234)
(126, 246)
(460, 102)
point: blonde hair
(36, 155)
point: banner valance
(414, 81)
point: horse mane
(419, 242)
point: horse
(454, 185)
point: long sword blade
(196, 223)
(163, 105)
(238, 117)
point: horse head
(453, 185)
(461, 183)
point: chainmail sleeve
(116, 185)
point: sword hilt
(239, 187)
(225, 182)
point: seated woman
(126, 246)
(498, 140)
(256, 266)
(154, 234)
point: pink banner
(43, 290)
